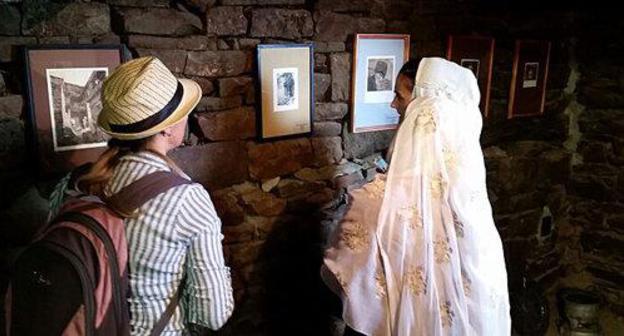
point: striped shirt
(176, 233)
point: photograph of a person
(74, 95)
(285, 91)
(529, 79)
(471, 64)
(380, 74)
(379, 79)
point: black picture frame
(285, 61)
(49, 156)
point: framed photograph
(527, 94)
(63, 85)
(477, 54)
(377, 59)
(286, 90)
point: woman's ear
(166, 132)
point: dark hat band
(153, 120)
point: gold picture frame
(286, 74)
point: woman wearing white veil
(418, 253)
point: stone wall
(596, 186)
(279, 200)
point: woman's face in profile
(402, 94)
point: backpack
(72, 280)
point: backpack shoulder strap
(133, 196)
(171, 307)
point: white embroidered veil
(440, 250)
(423, 257)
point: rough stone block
(334, 27)
(206, 84)
(363, 144)
(328, 47)
(229, 210)
(218, 63)
(264, 204)
(12, 145)
(239, 123)
(373, 6)
(173, 59)
(139, 3)
(10, 19)
(269, 160)
(330, 111)
(327, 150)
(282, 23)
(262, 2)
(320, 63)
(219, 103)
(321, 85)
(160, 21)
(327, 129)
(226, 20)
(75, 19)
(234, 86)
(215, 165)
(602, 245)
(11, 106)
(341, 76)
(193, 42)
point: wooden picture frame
(63, 84)
(527, 93)
(477, 54)
(377, 59)
(286, 75)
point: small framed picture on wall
(64, 84)
(477, 54)
(286, 89)
(527, 94)
(377, 59)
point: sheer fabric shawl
(418, 252)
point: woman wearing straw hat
(175, 241)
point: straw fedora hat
(142, 97)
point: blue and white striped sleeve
(207, 293)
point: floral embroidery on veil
(447, 313)
(416, 282)
(355, 236)
(442, 251)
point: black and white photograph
(285, 92)
(75, 104)
(286, 75)
(377, 59)
(529, 79)
(379, 79)
(472, 64)
(380, 71)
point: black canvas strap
(127, 200)
(166, 316)
(131, 197)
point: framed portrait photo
(286, 90)
(64, 85)
(527, 94)
(477, 54)
(377, 59)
